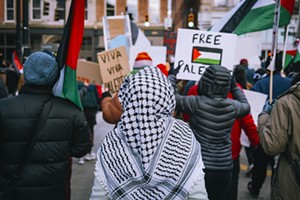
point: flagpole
(272, 66)
(285, 45)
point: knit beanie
(40, 69)
(142, 60)
(215, 82)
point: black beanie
(215, 82)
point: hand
(268, 106)
(232, 83)
(174, 71)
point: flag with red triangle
(68, 51)
(254, 15)
(206, 55)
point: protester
(111, 107)
(60, 129)
(281, 137)
(90, 100)
(259, 74)
(239, 73)
(261, 159)
(244, 123)
(249, 71)
(149, 154)
(142, 60)
(212, 115)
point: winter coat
(280, 85)
(246, 123)
(279, 135)
(46, 172)
(212, 115)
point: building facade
(40, 23)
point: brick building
(46, 19)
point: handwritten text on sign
(114, 67)
(196, 50)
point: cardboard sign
(88, 71)
(114, 67)
(196, 50)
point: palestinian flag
(68, 52)
(289, 55)
(254, 15)
(207, 56)
(297, 56)
(16, 61)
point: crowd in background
(173, 139)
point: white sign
(257, 101)
(196, 50)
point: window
(10, 5)
(60, 10)
(110, 7)
(36, 9)
(132, 10)
(154, 11)
(220, 3)
(86, 44)
(86, 10)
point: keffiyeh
(149, 155)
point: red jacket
(246, 123)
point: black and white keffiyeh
(149, 155)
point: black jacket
(65, 134)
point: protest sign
(196, 50)
(114, 67)
(257, 101)
(88, 71)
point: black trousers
(217, 183)
(259, 172)
(233, 189)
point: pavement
(83, 175)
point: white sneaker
(79, 161)
(90, 156)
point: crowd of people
(172, 139)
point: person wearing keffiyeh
(149, 154)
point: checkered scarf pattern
(149, 155)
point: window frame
(105, 6)
(32, 9)
(12, 9)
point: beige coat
(280, 135)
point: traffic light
(147, 23)
(56, 15)
(191, 19)
(46, 8)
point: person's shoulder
(65, 104)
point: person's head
(244, 62)
(163, 69)
(259, 74)
(40, 69)
(278, 62)
(142, 60)
(147, 99)
(215, 82)
(239, 73)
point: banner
(114, 67)
(196, 50)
